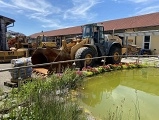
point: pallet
(10, 84)
(14, 83)
(41, 72)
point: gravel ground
(5, 76)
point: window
(87, 31)
(101, 32)
(146, 42)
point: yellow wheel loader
(93, 44)
(44, 41)
(5, 53)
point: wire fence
(128, 58)
(137, 58)
(150, 60)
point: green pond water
(126, 95)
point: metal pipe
(59, 62)
(11, 26)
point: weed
(40, 100)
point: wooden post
(17, 54)
(85, 64)
(138, 59)
(4, 55)
(104, 61)
(126, 46)
(59, 68)
(19, 79)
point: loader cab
(94, 31)
(44, 41)
(42, 38)
(87, 31)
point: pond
(123, 95)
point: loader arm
(77, 46)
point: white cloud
(54, 25)
(139, 1)
(49, 23)
(33, 9)
(142, 6)
(146, 10)
(80, 9)
(35, 6)
(135, 1)
(146, 6)
(48, 14)
(5, 4)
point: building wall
(131, 40)
(155, 44)
(139, 41)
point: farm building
(140, 30)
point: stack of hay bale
(21, 73)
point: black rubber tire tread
(81, 53)
(113, 50)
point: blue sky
(34, 16)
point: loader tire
(115, 52)
(82, 53)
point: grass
(39, 100)
(1, 91)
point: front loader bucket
(47, 55)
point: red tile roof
(60, 32)
(146, 20)
(133, 22)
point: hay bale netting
(22, 72)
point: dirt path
(4, 76)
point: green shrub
(45, 99)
